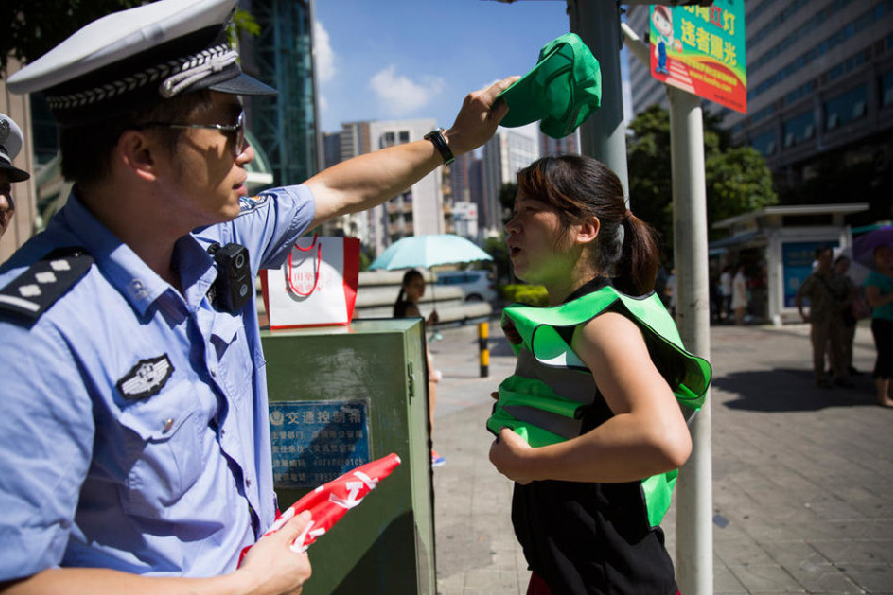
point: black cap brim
(13, 173)
(243, 85)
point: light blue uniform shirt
(173, 483)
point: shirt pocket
(162, 450)
(235, 368)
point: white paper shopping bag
(316, 286)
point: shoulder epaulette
(33, 292)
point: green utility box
(341, 397)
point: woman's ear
(588, 230)
(137, 152)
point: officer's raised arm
(370, 179)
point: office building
(418, 211)
(281, 55)
(570, 144)
(502, 156)
(331, 149)
(819, 95)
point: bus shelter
(777, 246)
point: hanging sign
(702, 51)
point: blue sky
(407, 59)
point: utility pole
(694, 531)
(602, 135)
(694, 499)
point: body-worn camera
(233, 287)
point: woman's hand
(510, 454)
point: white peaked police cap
(138, 56)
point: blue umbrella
(428, 251)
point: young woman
(412, 288)
(879, 291)
(589, 427)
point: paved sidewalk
(802, 477)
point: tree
(737, 178)
(34, 27)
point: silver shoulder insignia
(33, 292)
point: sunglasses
(237, 129)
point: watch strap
(439, 141)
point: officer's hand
(274, 567)
(509, 454)
(479, 117)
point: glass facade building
(820, 91)
(287, 126)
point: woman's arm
(367, 180)
(647, 434)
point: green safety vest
(544, 401)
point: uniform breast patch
(146, 378)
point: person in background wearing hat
(134, 424)
(827, 290)
(10, 145)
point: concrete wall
(378, 290)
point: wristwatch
(440, 143)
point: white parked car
(479, 286)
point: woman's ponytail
(636, 271)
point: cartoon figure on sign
(662, 19)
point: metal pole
(602, 135)
(694, 532)
(483, 335)
(694, 536)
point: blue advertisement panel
(317, 441)
(797, 259)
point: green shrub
(530, 295)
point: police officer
(10, 145)
(133, 406)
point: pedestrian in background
(842, 267)
(132, 363)
(412, 288)
(826, 291)
(879, 291)
(670, 292)
(725, 292)
(11, 141)
(738, 302)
